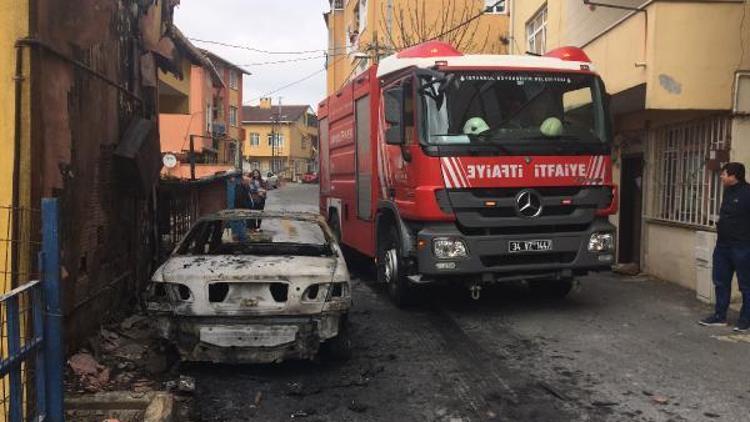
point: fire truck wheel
(551, 289)
(391, 271)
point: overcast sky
(274, 25)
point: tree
(412, 22)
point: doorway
(631, 209)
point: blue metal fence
(31, 350)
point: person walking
(732, 252)
(257, 191)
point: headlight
(445, 248)
(601, 242)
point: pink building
(202, 107)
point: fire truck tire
(552, 289)
(390, 270)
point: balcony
(656, 59)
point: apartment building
(679, 76)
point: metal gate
(31, 350)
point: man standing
(732, 252)
(241, 201)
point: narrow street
(617, 349)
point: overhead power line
(260, 50)
(301, 59)
(291, 84)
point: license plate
(517, 246)
(248, 336)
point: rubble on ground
(126, 359)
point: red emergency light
(429, 49)
(569, 54)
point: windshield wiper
(487, 141)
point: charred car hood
(245, 268)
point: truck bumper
(490, 260)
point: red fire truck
(474, 169)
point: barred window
(686, 190)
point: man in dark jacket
(241, 201)
(732, 252)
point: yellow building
(361, 31)
(14, 164)
(280, 139)
(679, 75)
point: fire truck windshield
(514, 109)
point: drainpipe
(511, 26)
(16, 199)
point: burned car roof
(241, 214)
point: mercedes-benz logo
(528, 204)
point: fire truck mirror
(393, 115)
(393, 136)
(393, 106)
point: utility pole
(275, 118)
(276, 141)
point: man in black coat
(732, 252)
(241, 201)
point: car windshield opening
(484, 108)
(279, 236)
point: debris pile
(125, 359)
(126, 356)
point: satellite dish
(169, 161)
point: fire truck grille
(536, 259)
(494, 211)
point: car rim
(390, 265)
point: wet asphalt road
(617, 349)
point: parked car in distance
(230, 297)
(272, 181)
(310, 177)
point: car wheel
(390, 270)
(340, 347)
(551, 289)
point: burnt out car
(230, 295)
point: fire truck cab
(473, 169)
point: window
(337, 4)
(685, 189)
(254, 139)
(279, 140)
(362, 11)
(286, 236)
(233, 116)
(233, 80)
(536, 32)
(495, 7)
(312, 120)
